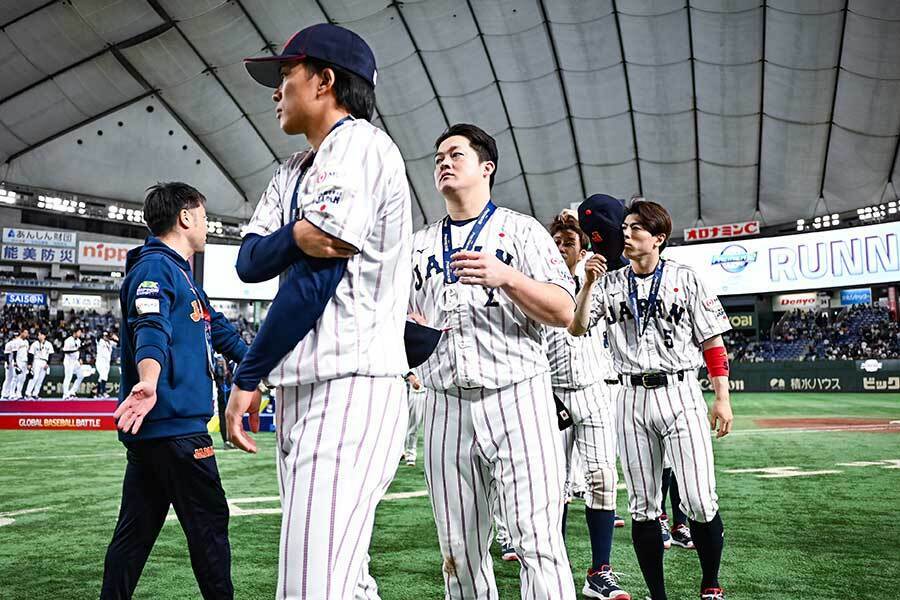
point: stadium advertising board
(721, 232)
(824, 259)
(38, 237)
(80, 301)
(857, 296)
(742, 320)
(221, 281)
(104, 254)
(785, 302)
(37, 254)
(24, 299)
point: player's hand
(414, 381)
(315, 242)
(594, 269)
(721, 417)
(479, 268)
(417, 318)
(130, 414)
(240, 402)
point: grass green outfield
(823, 537)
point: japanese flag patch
(146, 306)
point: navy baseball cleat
(666, 536)
(681, 536)
(712, 594)
(508, 553)
(604, 584)
(618, 521)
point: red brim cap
(267, 70)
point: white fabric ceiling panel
(419, 219)
(10, 11)
(182, 11)
(895, 175)
(255, 184)
(521, 56)
(508, 166)
(117, 20)
(857, 169)
(727, 38)
(587, 46)
(280, 20)
(130, 158)
(253, 97)
(9, 143)
(403, 87)
(16, 71)
(803, 41)
(725, 194)
(414, 132)
(54, 37)
(460, 70)
(648, 7)
(386, 34)
(238, 148)
(661, 90)
(807, 7)
(877, 9)
(665, 138)
(551, 192)
(202, 105)
(284, 145)
(165, 60)
(439, 24)
(534, 103)
(483, 108)
(799, 96)
(658, 40)
(499, 17)
(546, 149)
(39, 112)
(791, 169)
(511, 194)
(619, 181)
(98, 85)
(867, 105)
(347, 11)
(221, 35)
(675, 187)
(597, 94)
(566, 11)
(728, 140)
(727, 6)
(604, 141)
(872, 47)
(731, 90)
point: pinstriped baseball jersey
(489, 342)
(686, 315)
(355, 189)
(19, 348)
(41, 350)
(577, 362)
(71, 346)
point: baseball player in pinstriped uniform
(491, 278)
(20, 364)
(40, 352)
(342, 410)
(662, 324)
(578, 368)
(71, 362)
(416, 407)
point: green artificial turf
(824, 537)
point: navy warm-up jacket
(164, 316)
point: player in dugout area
(168, 334)
(662, 323)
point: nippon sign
(25, 299)
(784, 302)
(721, 232)
(834, 258)
(38, 237)
(37, 254)
(103, 254)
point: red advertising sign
(57, 414)
(720, 232)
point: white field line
(66, 456)
(829, 428)
(16, 513)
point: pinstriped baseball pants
(508, 437)
(337, 450)
(671, 420)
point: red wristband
(716, 361)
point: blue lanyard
(480, 222)
(652, 297)
(306, 167)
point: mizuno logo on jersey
(672, 315)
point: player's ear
(488, 167)
(660, 240)
(327, 80)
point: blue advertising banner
(857, 296)
(25, 299)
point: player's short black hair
(482, 143)
(653, 216)
(164, 201)
(351, 91)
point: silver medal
(449, 297)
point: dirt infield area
(832, 424)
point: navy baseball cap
(328, 43)
(601, 218)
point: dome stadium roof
(723, 110)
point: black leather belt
(650, 380)
(611, 381)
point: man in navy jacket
(168, 335)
